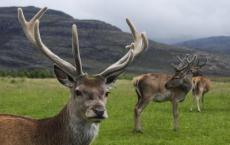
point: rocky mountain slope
(100, 44)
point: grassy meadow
(39, 98)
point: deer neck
(82, 132)
(67, 128)
(198, 73)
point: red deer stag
(78, 122)
(200, 84)
(160, 87)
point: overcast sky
(163, 20)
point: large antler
(200, 64)
(135, 48)
(31, 30)
(185, 63)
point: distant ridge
(219, 44)
(100, 44)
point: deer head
(88, 92)
(181, 70)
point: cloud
(165, 20)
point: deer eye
(107, 94)
(78, 93)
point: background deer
(78, 122)
(200, 84)
(160, 87)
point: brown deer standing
(160, 87)
(200, 85)
(78, 122)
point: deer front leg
(175, 114)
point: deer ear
(110, 80)
(63, 77)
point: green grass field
(40, 98)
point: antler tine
(186, 63)
(145, 40)
(182, 63)
(39, 14)
(132, 28)
(180, 59)
(68, 68)
(135, 48)
(190, 62)
(204, 63)
(136, 36)
(76, 51)
(183, 60)
(175, 66)
(140, 39)
(118, 67)
(31, 30)
(28, 26)
(183, 67)
(21, 17)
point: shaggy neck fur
(66, 129)
(82, 131)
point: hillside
(100, 45)
(219, 44)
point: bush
(26, 73)
(126, 76)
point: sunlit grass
(40, 98)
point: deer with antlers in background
(200, 84)
(160, 87)
(78, 122)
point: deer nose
(99, 111)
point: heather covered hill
(100, 44)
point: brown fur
(152, 87)
(201, 82)
(78, 123)
(151, 82)
(16, 130)
(71, 126)
(201, 85)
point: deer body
(160, 87)
(151, 87)
(51, 131)
(200, 86)
(78, 122)
(69, 127)
(154, 83)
